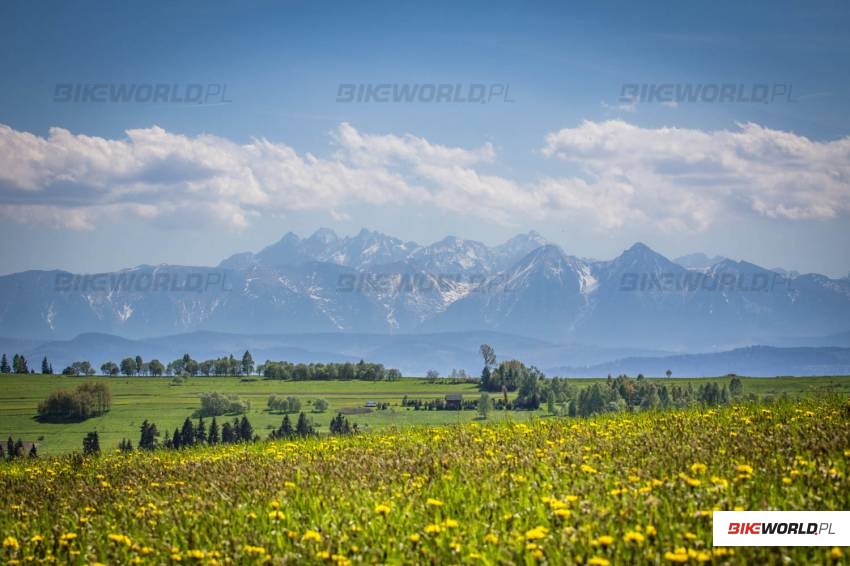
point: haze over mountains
(373, 284)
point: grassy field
(616, 489)
(157, 399)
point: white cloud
(688, 178)
(674, 179)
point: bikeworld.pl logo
(781, 528)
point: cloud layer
(675, 179)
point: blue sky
(764, 182)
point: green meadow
(167, 404)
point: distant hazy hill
(376, 284)
(760, 361)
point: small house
(454, 401)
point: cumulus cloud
(687, 178)
(672, 178)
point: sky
(93, 186)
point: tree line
(186, 366)
(240, 430)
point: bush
(86, 401)
(216, 404)
(320, 406)
(284, 404)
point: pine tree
(177, 439)
(45, 366)
(247, 363)
(201, 432)
(149, 434)
(246, 431)
(4, 365)
(187, 434)
(33, 451)
(10, 448)
(303, 427)
(91, 444)
(285, 430)
(227, 434)
(213, 437)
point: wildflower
(434, 502)
(36, 539)
(258, 550)
(414, 538)
(744, 469)
(536, 533)
(120, 539)
(382, 509)
(450, 523)
(651, 531)
(698, 468)
(431, 529)
(275, 504)
(491, 538)
(276, 515)
(563, 513)
(835, 553)
(604, 540)
(680, 556)
(312, 535)
(196, 554)
(11, 542)
(598, 561)
(588, 469)
(693, 482)
(633, 536)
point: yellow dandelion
(414, 538)
(598, 561)
(11, 542)
(491, 538)
(677, 557)
(312, 536)
(434, 502)
(698, 468)
(651, 531)
(382, 509)
(633, 536)
(604, 540)
(276, 515)
(536, 533)
(432, 529)
(835, 553)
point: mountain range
(375, 284)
